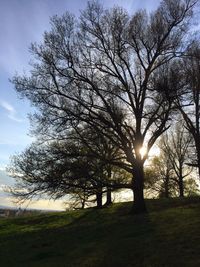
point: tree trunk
(138, 189)
(197, 146)
(198, 160)
(99, 196)
(108, 197)
(82, 204)
(181, 188)
(109, 191)
(166, 185)
(180, 181)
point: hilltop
(169, 235)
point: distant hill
(28, 209)
(7, 207)
(168, 236)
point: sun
(143, 151)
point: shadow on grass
(91, 239)
(109, 237)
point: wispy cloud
(11, 112)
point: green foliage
(158, 178)
(191, 187)
(169, 235)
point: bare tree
(189, 102)
(175, 144)
(159, 180)
(99, 71)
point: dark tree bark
(109, 190)
(166, 186)
(108, 196)
(99, 196)
(181, 188)
(138, 186)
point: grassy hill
(169, 235)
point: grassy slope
(169, 235)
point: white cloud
(11, 112)
(7, 106)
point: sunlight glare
(155, 151)
(143, 151)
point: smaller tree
(159, 177)
(176, 146)
(68, 167)
(78, 199)
(191, 187)
(188, 102)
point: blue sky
(23, 22)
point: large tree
(103, 70)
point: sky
(21, 23)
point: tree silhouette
(68, 167)
(176, 146)
(189, 102)
(103, 70)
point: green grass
(169, 235)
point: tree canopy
(112, 72)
